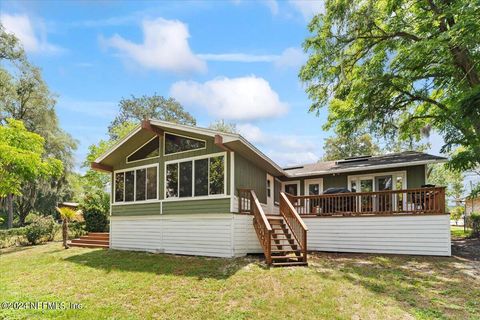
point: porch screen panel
(201, 177)
(185, 179)
(129, 185)
(119, 186)
(152, 183)
(141, 186)
(172, 180)
(217, 175)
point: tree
(66, 214)
(456, 213)
(343, 146)
(156, 107)
(21, 159)
(25, 96)
(222, 126)
(441, 175)
(400, 68)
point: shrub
(42, 229)
(76, 229)
(475, 220)
(95, 208)
(13, 237)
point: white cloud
(32, 34)
(308, 8)
(290, 57)
(272, 5)
(286, 150)
(251, 133)
(243, 98)
(165, 47)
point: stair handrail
(262, 226)
(295, 223)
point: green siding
(118, 161)
(248, 175)
(197, 206)
(139, 209)
(415, 177)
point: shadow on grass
(428, 287)
(14, 249)
(162, 264)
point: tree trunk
(10, 211)
(65, 233)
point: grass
(128, 285)
(460, 232)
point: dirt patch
(466, 248)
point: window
(136, 185)
(269, 188)
(291, 189)
(177, 144)
(277, 186)
(149, 150)
(195, 178)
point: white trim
(192, 159)
(232, 180)
(118, 144)
(372, 176)
(134, 169)
(307, 182)
(359, 169)
(126, 158)
(179, 135)
(297, 182)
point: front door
(270, 195)
(384, 200)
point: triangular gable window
(177, 144)
(149, 150)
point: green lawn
(126, 285)
(460, 233)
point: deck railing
(391, 202)
(248, 203)
(294, 222)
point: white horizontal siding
(244, 236)
(422, 235)
(199, 234)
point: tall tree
(399, 67)
(157, 107)
(22, 158)
(223, 126)
(25, 96)
(343, 146)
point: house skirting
(230, 235)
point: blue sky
(232, 60)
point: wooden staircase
(285, 250)
(92, 240)
(283, 238)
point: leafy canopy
(21, 158)
(400, 68)
(344, 146)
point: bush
(76, 229)
(95, 208)
(42, 229)
(13, 237)
(475, 221)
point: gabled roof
(237, 143)
(400, 159)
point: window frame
(143, 145)
(134, 169)
(297, 182)
(183, 136)
(192, 159)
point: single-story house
(188, 190)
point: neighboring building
(181, 189)
(472, 204)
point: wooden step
(88, 237)
(90, 241)
(285, 251)
(289, 264)
(285, 257)
(98, 234)
(88, 245)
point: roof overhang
(366, 168)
